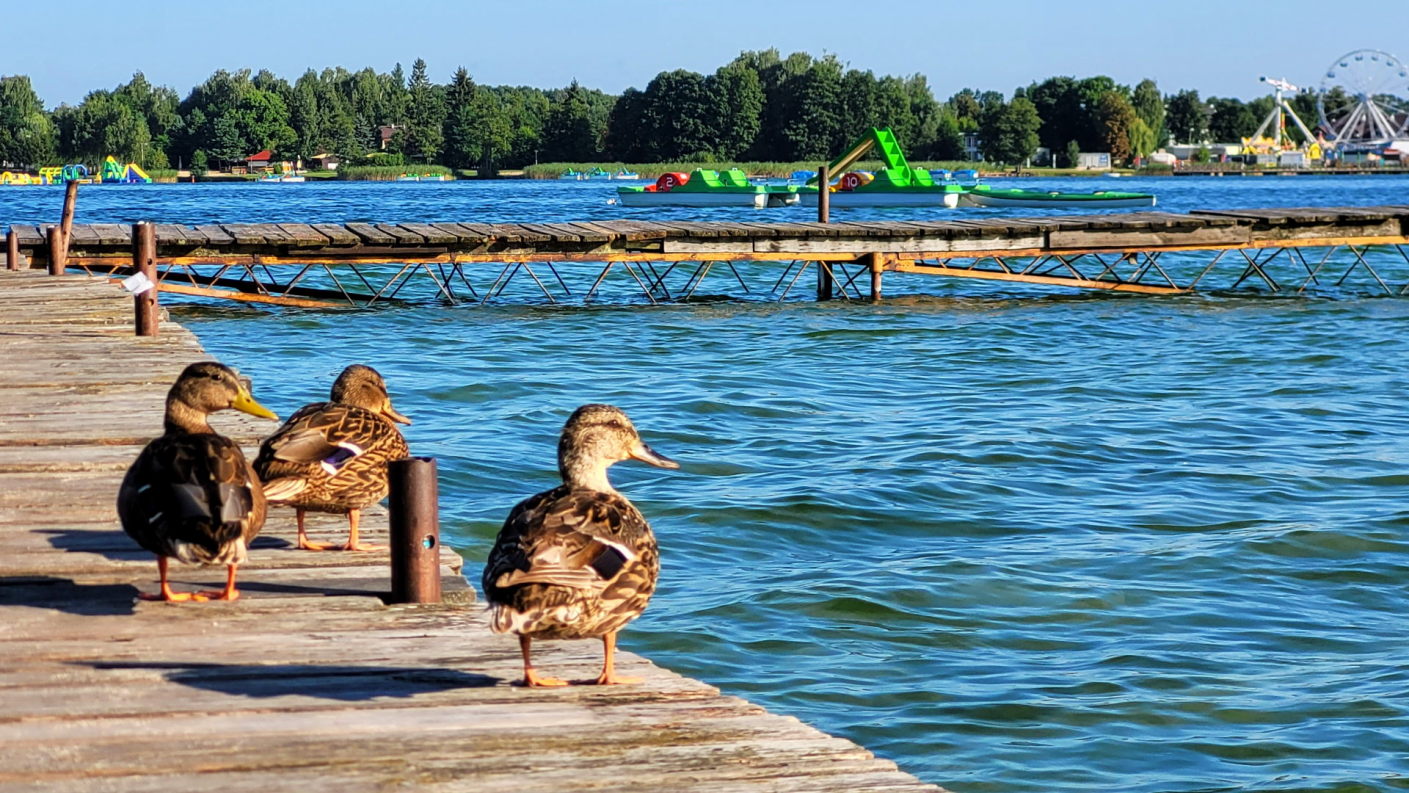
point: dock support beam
(12, 250)
(144, 301)
(415, 530)
(824, 211)
(874, 262)
(56, 250)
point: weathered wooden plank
(1149, 238)
(28, 236)
(82, 234)
(113, 234)
(462, 235)
(254, 233)
(337, 234)
(431, 233)
(370, 234)
(632, 230)
(483, 230)
(173, 234)
(518, 232)
(554, 233)
(303, 235)
(403, 235)
(594, 232)
(215, 235)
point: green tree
(425, 116)
(678, 119)
(1073, 154)
(568, 135)
(813, 123)
(493, 130)
(200, 164)
(948, 141)
(1117, 120)
(462, 147)
(1230, 120)
(623, 139)
(1187, 117)
(1149, 106)
(1009, 131)
(27, 136)
(1142, 138)
(738, 109)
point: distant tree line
(758, 107)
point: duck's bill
(394, 414)
(246, 404)
(646, 454)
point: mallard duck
(191, 494)
(332, 456)
(578, 561)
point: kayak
(985, 196)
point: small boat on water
(625, 174)
(423, 177)
(280, 178)
(597, 173)
(898, 184)
(572, 176)
(707, 188)
(986, 196)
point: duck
(191, 495)
(578, 561)
(332, 456)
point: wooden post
(12, 250)
(144, 256)
(824, 196)
(875, 265)
(415, 530)
(66, 219)
(56, 250)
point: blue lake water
(1016, 539)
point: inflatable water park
(110, 172)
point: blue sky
(1219, 48)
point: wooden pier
(309, 682)
(365, 263)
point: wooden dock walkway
(309, 682)
(362, 263)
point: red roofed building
(259, 163)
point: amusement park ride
(1363, 104)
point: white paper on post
(137, 284)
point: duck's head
(595, 437)
(364, 387)
(202, 389)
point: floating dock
(309, 682)
(365, 263)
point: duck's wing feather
(573, 538)
(324, 438)
(191, 496)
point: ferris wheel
(1372, 103)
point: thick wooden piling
(144, 301)
(55, 238)
(66, 219)
(415, 530)
(12, 250)
(825, 279)
(874, 263)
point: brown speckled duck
(332, 456)
(578, 561)
(191, 495)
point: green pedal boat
(985, 196)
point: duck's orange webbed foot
(532, 679)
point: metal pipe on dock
(66, 219)
(12, 250)
(874, 263)
(144, 258)
(415, 530)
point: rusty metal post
(66, 219)
(56, 250)
(875, 264)
(12, 250)
(415, 531)
(144, 256)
